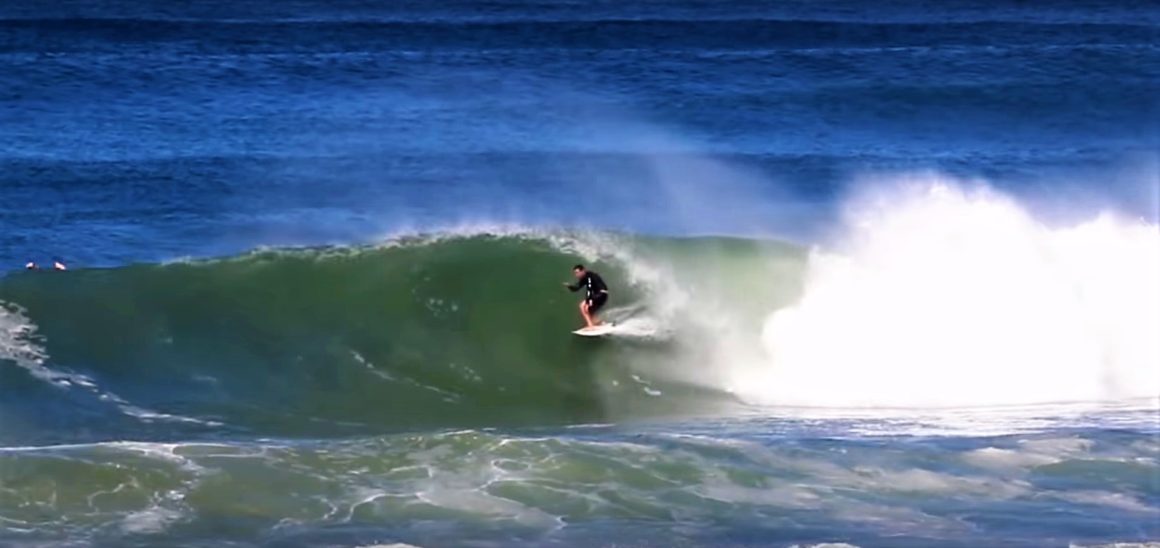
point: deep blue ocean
(883, 274)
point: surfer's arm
(572, 288)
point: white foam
(1119, 501)
(151, 520)
(19, 341)
(917, 480)
(646, 328)
(1006, 459)
(941, 296)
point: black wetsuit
(596, 292)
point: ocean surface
(884, 274)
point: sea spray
(945, 293)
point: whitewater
(945, 346)
(886, 276)
(933, 293)
(432, 376)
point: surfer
(595, 293)
(56, 265)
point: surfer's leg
(594, 306)
(587, 316)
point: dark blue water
(354, 396)
(141, 132)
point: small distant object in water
(56, 265)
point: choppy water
(887, 275)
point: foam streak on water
(774, 478)
(365, 341)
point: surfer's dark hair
(578, 267)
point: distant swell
(243, 35)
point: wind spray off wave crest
(942, 296)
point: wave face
(936, 295)
(446, 331)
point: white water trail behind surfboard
(626, 322)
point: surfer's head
(578, 271)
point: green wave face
(453, 331)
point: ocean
(883, 274)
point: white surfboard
(595, 331)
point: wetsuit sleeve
(576, 287)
